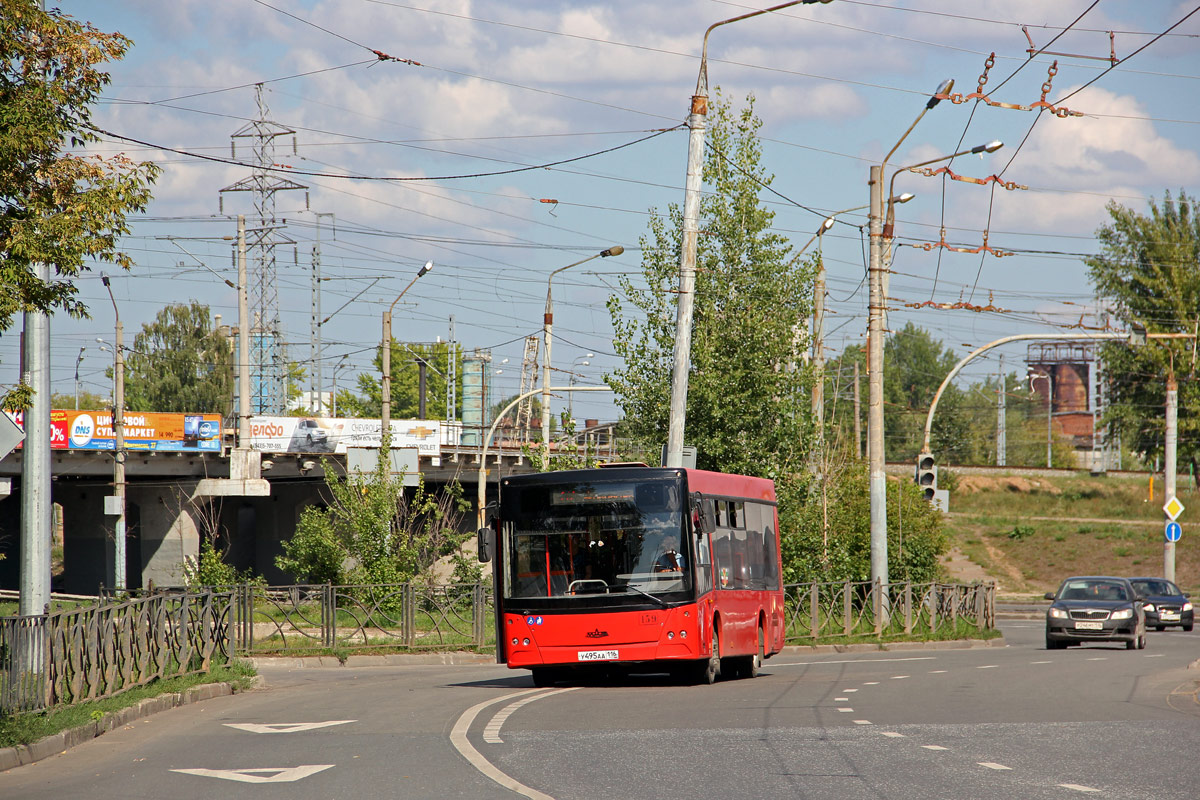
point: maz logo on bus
(597, 634)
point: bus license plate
(598, 655)
(1089, 626)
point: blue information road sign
(1173, 532)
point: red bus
(636, 568)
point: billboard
(149, 431)
(334, 435)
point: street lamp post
(547, 329)
(333, 399)
(878, 478)
(818, 329)
(385, 427)
(118, 423)
(580, 361)
(696, 122)
(78, 361)
(1033, 376)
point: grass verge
(28, 728)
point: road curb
(884, 647)
(389, 660)
(20, 755)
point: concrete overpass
(168, 509)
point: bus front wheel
(708, 670)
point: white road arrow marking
(260, 774)
(285, 727)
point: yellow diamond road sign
(1173, 508)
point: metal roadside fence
(129, 640)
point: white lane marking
(1077, 787)
(1099, 658)
(841, 699)
(892, 734)
(862, 722)
(992, 765)
(871, 683)
(849, 690)
(260, 774)
(491, 733)
(933, 747)
(1156, 655)
(852, 661)
(899, 677)
(937, 671)
(458, 738)
(285, 727)
(845, 710)
(988, 666)
(1041, 662)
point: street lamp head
(428, 266)
(903, 198)
(104, 278)
(615, 250)
(990, 147)
(826, 224)
(943, 89)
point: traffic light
(927, 475)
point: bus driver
(671, 560)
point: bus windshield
(596, 538)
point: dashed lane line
(934, 747)
(1077, 787)
(892, 734)
(992, 765)
(863, 722)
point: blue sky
(498, 86)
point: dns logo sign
(82, 430)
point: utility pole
(1001, 420)
(878, 478)
(1172, 436)
(35, 472)
(119, 582)
(118, 425)
(857, 416)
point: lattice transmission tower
(268, 356)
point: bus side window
(704, 565)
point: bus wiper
(656, 599)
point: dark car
(1165, 605)
(1095, 608)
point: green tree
(180, 362)
(87, 400)
(826, 536)
(373, 531)
(57, 207)
(914, 366)
(747, 404)
(406, 383)
(1146, 275)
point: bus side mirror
(704, 515)
(485, 539)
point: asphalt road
(1013, 722)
